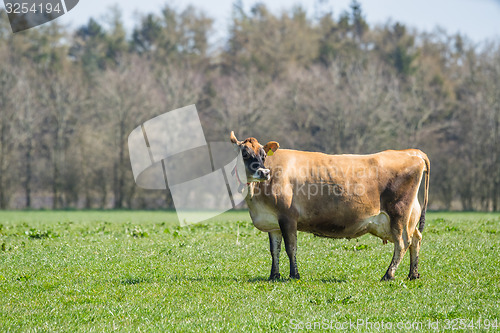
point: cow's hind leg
(399, 230)
(414, 250)
(275, 248)
(400, 248)
(288, 228)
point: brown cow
(336, 196)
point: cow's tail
(421, 222)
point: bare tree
(29, 120)
(8, 135)
(60, 96)
(124, 98)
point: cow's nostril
(264, 173)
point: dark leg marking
(289, 231)
(275, 248)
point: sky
(478, 19)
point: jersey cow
(336, 196)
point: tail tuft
(421, 222)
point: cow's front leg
(288, 228)
(275, 248)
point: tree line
(331, 83)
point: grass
(139, 271)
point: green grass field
(138, 271)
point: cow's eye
(244, 153)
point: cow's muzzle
(262, 175)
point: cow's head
(254, 155)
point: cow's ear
(233, 139)
(271, 147)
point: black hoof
(274, 277)
(387, 278)
(296, 276)
(414, 276)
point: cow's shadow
(257, 279)
(285, 279)
(264, 279)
